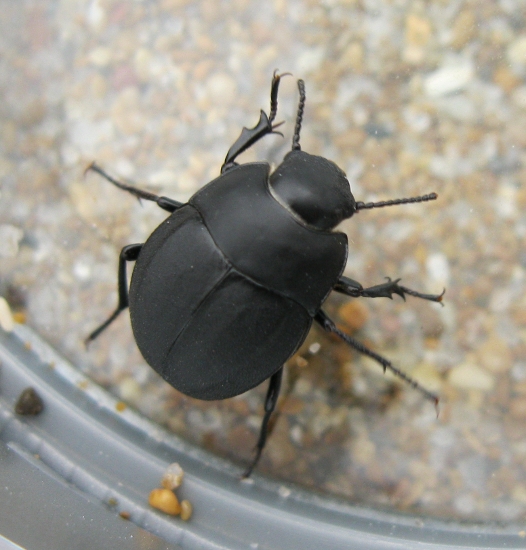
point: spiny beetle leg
(274, 87)
(249, 136)
(353, 288)
(270, 404)
(328, 325)
(128, 254)
(164, 202)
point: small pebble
(186, 510)
(314, 348)
(120, 406)
(100, 56)
(495, 355)
(516, 52)
(29, 403)
(449, 79)
(166, 501)
(7, 321)
(437, 265)
(354, 314)
(417, 30)
(464, 28)
(10, 237)
(427, 376)
(471, 377)
(129, 389)
(301, 362)
(173, 476)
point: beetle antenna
(421, 198)
(299, 117)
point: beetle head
(313, 188)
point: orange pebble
(165, 500)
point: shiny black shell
(225, 289)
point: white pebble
(129, 389)
(101, 56)
(449, 79)
(519, 97)
(95, 14)
(173, 476)
(82, 269)
(314, 348)
(459, 107)
(438, 271)
(6, 317)
(470, 377)
(506, 203)
(310, 59)
(516, 52)
(10, 237)
(222, 89)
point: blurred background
(407, 97)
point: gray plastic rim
(110, 461)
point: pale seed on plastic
(186, 510)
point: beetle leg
(329, 325)
(270, 404)
(385, 290)
(164, 202)
(249, 136)
(128, 254)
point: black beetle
(225, 290)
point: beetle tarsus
(138, 193)
(329, 325)
(353, 288)
(274, 87)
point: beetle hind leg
(270, 404)
(128, 254)
(329, 325)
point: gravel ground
(408, 97)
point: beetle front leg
(249, 136)
(270, 404)
(328, 324)
(353, 288)
(128, 254)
